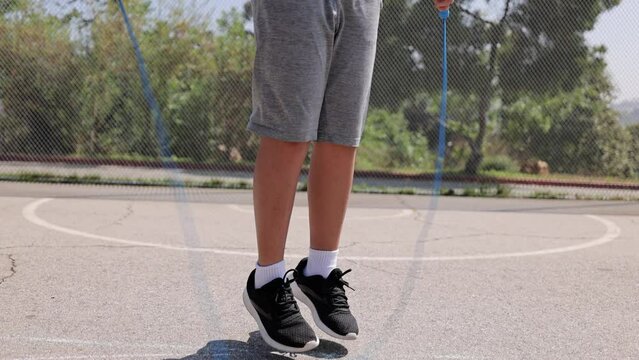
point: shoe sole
(299, 294)
(270, 341)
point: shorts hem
(339, 140)
(262, 130)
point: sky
(617, 29)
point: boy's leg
(329, 186)
(275, 181)
(267, 295)
(319, 282)
(341, 123)
(294, 48)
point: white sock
(266, 274)
(320, 262)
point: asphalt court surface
(130, 273)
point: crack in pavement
(12, 269)
(128, 212)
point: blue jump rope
(441, 148)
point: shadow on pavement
(256, 348)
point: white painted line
(29, 213)
(110, 356)
(116, 344)
(401, 214)
(612, 232)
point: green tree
(70, 84)
(39, 84)
(575, 131)
(7, 6)
(180, 52)
(633, 131)
(524, 47)
(234, 55)
(388, 144)
(422, 114)
(115, 118)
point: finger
(443, 4)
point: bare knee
(284, 146)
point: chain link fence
(530, 101)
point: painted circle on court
(612, 232)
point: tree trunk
(477, 153)
(486, 95)
(476, 145)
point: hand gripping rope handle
(441, 148)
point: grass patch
(34, 177)
(367, 189)
(483, 190)
(504, 191)
(499, 163)
(560, 177)
(486, 190)
(52, 178)
(448, 192)
(547, 195)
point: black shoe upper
(279, 312)
(329, 298)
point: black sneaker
(327, 300)
(277, 315)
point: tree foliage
(517, 48)
(633, 131)
(524, 83)
(7, 6)
(70, 83)
(575, 131)
(39, 86)
(388, 144)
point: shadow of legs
(256, 348)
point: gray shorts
(313, 68)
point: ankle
(266, 274)
(321, 262)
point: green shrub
(547, 195)
(448, 192)
(575, 132)
(634, 148)
(499, 163)
(504, 191)
(387, 144)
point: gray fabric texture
(313, 69)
